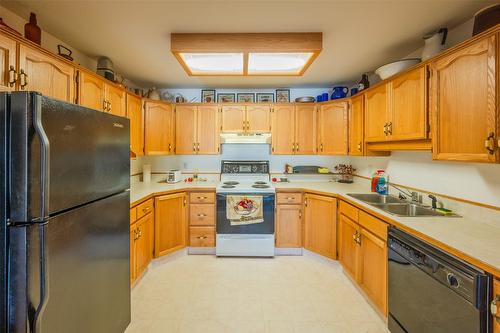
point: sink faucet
(434, 201)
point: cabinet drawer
(348, 210)
(133, 215)
(202, 197)
(144, 208)
(289, 198)
(202, 214)
(202, 236)
(373, 224)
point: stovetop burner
(228, 186)
(260, 186)
(231, 182)
(260, 183)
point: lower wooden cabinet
(141, 243)
(289, 226)
(320, 225)
(170, 223)
(202, 236)
(363, 252)
(202, 219)
(496, 299)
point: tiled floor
(285, 294)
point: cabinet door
(90, 91)
(158, 128)
(233, 118)
(463, 103)
(373, 269)
(289, 226)
(356, 126)
(170, 223)
(144, 253)
(408, 108)
(185, 129)
(7, 64)
(348, 247)
(332, 124)
(305, 129)
(133, 239)
(496, 297)
(115, 97)
(134, 113)
(208, 135)
(45, 74)
(320, 225)
(258, 118)
(376, 113)
(283, 128)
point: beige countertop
(475, 237)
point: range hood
(263, 138)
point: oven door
(224, 224)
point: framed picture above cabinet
(282, 95)
(208, 96)
(246, 98)
(265, 98)
(226, 98)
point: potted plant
(345, 173)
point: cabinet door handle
(489, 143)
(359, 146)
(321, 147)
(494, 308)
(300, 214)
(23, 79)
(109, 106)
(296, 146)
(12, 76)
(305, 202)
(389, 128)
(386, 131)
(198, 147)
(293, 147)
(104, 105)
(194, 147)
(169, 147)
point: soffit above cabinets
(246, 54)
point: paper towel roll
(146, 173)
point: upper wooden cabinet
(158, 128)
(293, 129)
(305, 129)
(170, 223)
(246, 118)
(320, 231)
(376, 113)
(332, 129)
(8, 65)
(197, 129)
(134, 113)
(464, 103)
(115, 100)
(45, 74)
(496, 299)
(91, 90)
(356, 118)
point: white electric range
(245, 210)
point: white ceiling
(358, 35)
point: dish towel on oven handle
(244, 210)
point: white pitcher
(434, 43)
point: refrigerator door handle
(37, 319)
(44, 159)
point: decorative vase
(32, 31)
(345, 178)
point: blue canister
(325, 97)
(354, 91)
(319, 98)
(339, 92)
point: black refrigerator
(64, 223)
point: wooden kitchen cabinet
(283, 129)
(115, 100)
(8, 66)
(202, 219)
(197, 130)
(233, 118)
(356, 118)
(348, 246)
(134, 113)
(333, 128)
(305, 129)
(496, 300)
(289, 219)
(90, 90)
(158, 128)
(376, 113)
(463, 103)
(320, 225)
(258, 118)
(141, 239)
(45, 74)
(170, 223)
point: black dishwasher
(433, 292)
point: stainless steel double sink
(396, 206)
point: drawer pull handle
(202, 237)
(202, 215)
(290, 198)
(202, 198)
(146, 209)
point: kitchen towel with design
(243, 210)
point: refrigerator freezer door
(3, 212)
(87, 156)
(86, 256)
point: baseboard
(201, 250)
(288, 251)
(169, 257)
(322, 258)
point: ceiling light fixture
(207, 54)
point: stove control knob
(452, 280)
